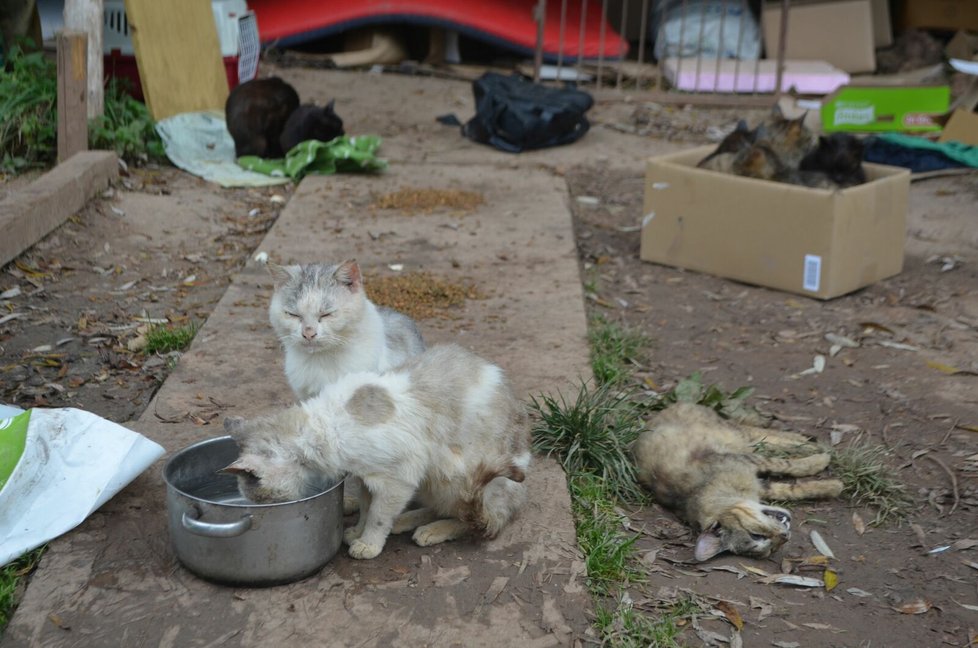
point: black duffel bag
(514, 114)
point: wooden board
(178, 55)
(72, 93)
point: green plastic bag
(343, 154)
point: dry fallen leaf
(730, 613)
(973, 608)
(830, 578)
(786, 644)
(755, 570)
(858, 524)
(965, 543)
(788, 579)
(820, 544)
(917, 606)
(855, 591)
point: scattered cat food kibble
(425, 201)
(419, 295)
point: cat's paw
(438, 532)
(363, 551)
(816, 463)
(351, 505)
(352, 534)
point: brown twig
(947, 435)
(954, 480)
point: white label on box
(853, 115)
(813, 272)
(249, 47)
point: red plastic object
(505, 22)
(116, 65)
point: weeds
(164, 339)
(29, 118)
(625, 627)
(591, 436)
(10, 576)
(868, 481)
(613, 350)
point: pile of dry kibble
(425, 201)
(420, 295)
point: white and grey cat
(329, 327)
(444, 429)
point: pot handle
(215, 529)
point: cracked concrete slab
(115, 581)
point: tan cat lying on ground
(704, 469)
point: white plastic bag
(57, 466)
(705, 28)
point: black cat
(311, 122)
(256, 112)
(839, 156)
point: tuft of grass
(592, 435)
(164, 339)
(608, 550)
(613, 349)
(625, 627)
(868, 481)
(10, 577)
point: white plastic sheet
(72, 462)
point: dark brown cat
(256, 112)
(838, 156)
(311, 122)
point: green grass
(868, 481)
(625, 627)
(10, 576)
(164, 339)
(29, 117)
(609, 552)
(591, 435)
(614, 350)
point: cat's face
(315, 305)
(746, 529)
(269, 472)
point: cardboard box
(961, 127)
(951, 15)
(870, 109)
(812, 242)
(882, 25)
(840, 33)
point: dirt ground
(81, 294)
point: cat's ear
(708, 545)
(330, 105)
(240, 466)
(742, 126)
(348, 274)
(777, 112)
(282, 274)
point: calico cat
(839, 156)
(759, 161)
(704, 469)
(444, 429)
(329, 328)
(722, 157)
(790, 139)
(311, 122)
(256, 112)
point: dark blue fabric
(916, 159)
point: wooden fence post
(88, 16)
(72, 94)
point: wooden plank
(178, 55)
(72, 93)
(28, 214)
(87, 16)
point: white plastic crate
(227, 13)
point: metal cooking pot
(223, 537)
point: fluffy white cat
(444, 429)
(329, 328)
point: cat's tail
(496, 492)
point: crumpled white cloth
(199, 143)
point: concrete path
(115, 582)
